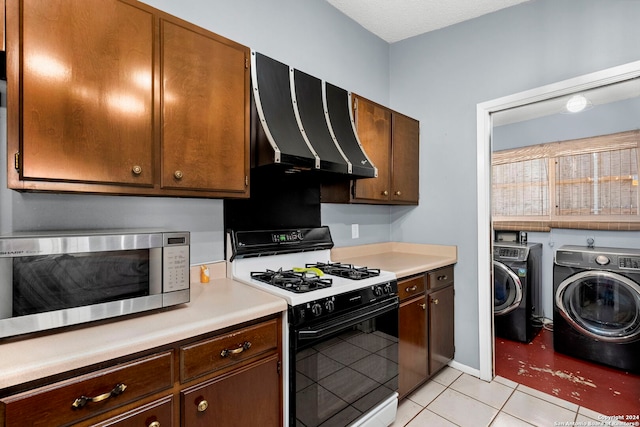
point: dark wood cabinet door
(205, 104)
(406, 159)
(157, 413)
(373, 124)
(441, 337)
(248, 396)
(86, 80)
(412, 345)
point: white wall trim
(484, 111)
(465, 368)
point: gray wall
(311, 36)
(440, 77)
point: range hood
(303, 123)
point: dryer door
(601, 304)
(507, 289)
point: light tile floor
(453, 398)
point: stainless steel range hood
(304, 123)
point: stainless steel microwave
(51, 280)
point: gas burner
(348, 271)
(293, 281)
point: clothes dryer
(596, 313)
(516, 290)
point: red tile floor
(605, 390)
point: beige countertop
(219, 304)
(404, 259)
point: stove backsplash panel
(278, 200)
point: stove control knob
(329, 306)
(316, 309)
(387, 288)
(377, 290)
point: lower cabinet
(247, 393)
(155, 414)
(426, 334)
(232, 377)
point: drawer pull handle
(411, 289)
(203, 405)
(83, 400)
(435, 301)
(441, 278)
(240, 349)
(424, 306)
(154, 424)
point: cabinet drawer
(410, 287)
(226, 350)
(440, 277)
(159, 412)
(55, 403)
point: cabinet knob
(203, 405)
(424, 306)
(398, 193)
(435, 301)
(178, 175)
(136, 169)
(385, 193)
(154, 424)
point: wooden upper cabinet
(204, 125)
(2, 24)
(374, 131)
(117, 97)
(86, 92)
(392, 142)
(405, 159)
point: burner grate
(348, 271)
(293, 281)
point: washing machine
(517, 309)
(596, 314)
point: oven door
(345, 368)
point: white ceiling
(395, 20)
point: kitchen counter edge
(216, 305)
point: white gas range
(342, 328)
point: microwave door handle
(350, 321)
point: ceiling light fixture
(577, 103)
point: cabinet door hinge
(246, 180)
(246, 63)
(279, 367)
(16, 161)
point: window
(585, 183)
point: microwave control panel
(175, 267)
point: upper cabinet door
(205, 104)
(373, 124)
(86, 92)
(406, 159)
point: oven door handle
(347, 321)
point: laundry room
(566, 244)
